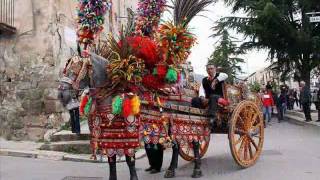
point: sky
(201, 27)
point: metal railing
(7, 12)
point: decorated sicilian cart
(137, 95)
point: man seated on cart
(210, 91)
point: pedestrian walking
(318, 104)
(314, 97)
(295, 96)
(305, 97)
(267, 101)
(281, 104)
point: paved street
(290, 152)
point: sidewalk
(29, 149)
(297, 116)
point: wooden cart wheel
(246, 133)
(258, 101)
(186, 152)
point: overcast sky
(256, 60)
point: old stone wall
(30, 62)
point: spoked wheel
(186, 151)
(246, 133)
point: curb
(300, 121)
(54, 155)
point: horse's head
(80, 73)
(75, 77)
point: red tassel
(161, 71)
(149, 81)
(144, 48)
(179, 77)
(83, 103)
(126, 108)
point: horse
(91, 72)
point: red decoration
(126, 108)
(146, 49)
(161, 71)
(179, 77)
(83, 103)
(152, 82)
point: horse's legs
(131, 164)
(112, 167)
(197, 173)
(170, 173)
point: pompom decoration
(88, 106)
(126, 108)
(161, 71)
(148, 18)
(117, 105)
(135, 105)
(90, 19)
(172, 76)
(152, 82)
(146, 49)
(83, 103)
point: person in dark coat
(211, 89)
(281, 104)
(295, 96)
(305, 97)
(318, 104)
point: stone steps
(75, 147)
(68, 136)
(66, 141)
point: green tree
(255, 87)
(225, 57)
(283, 28)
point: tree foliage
(255, 87)
(283, 28)
(225, 56)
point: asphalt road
(290, 152)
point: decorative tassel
(126, 108)
(88, 106)
(83, 103)
(172, 76)
(161, 71)
(135, 105)
(117, 105)
(152, 82)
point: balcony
(7, 17)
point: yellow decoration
(159, 102)
(135, 105)
(125, 70)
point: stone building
(34, 45)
